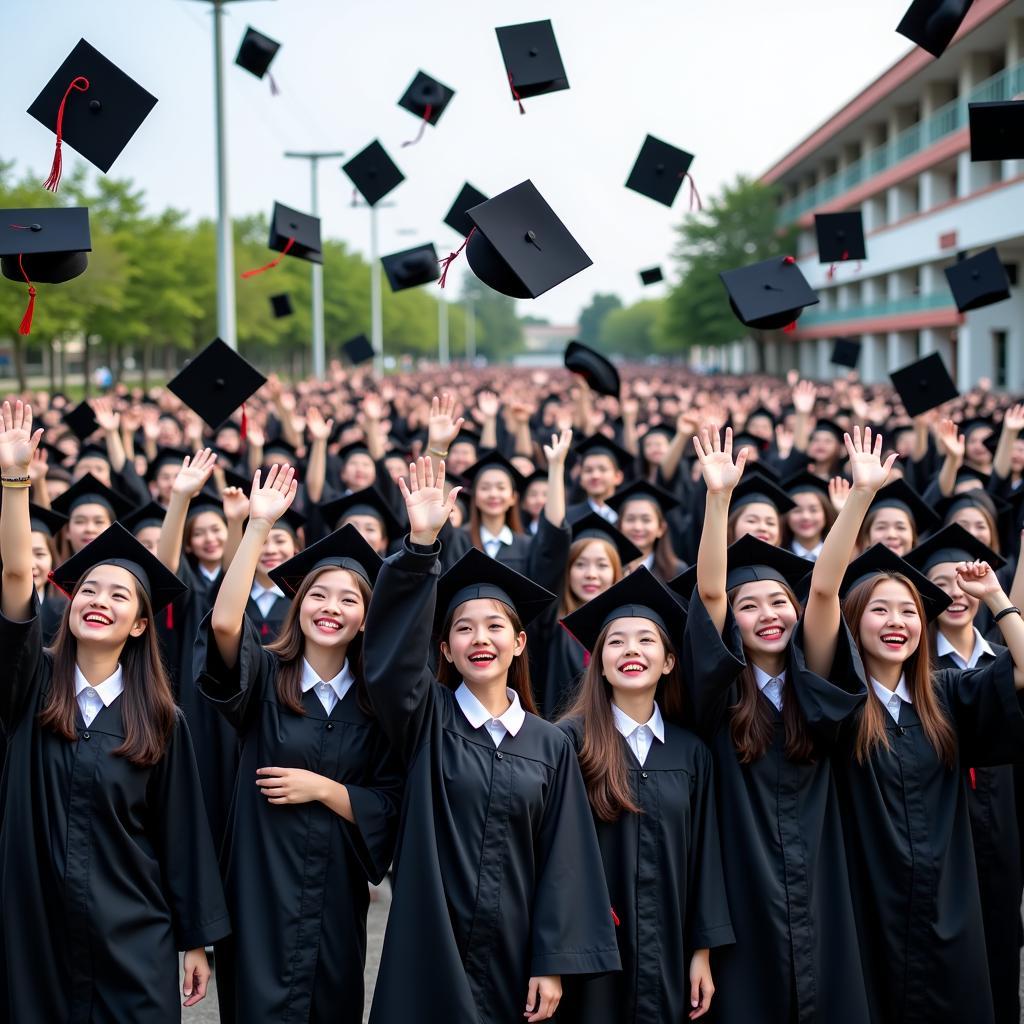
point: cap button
(975, 275)
(35, 227)
(530, 236)
(293, 225)
(534, 51)
(219, 382)
(95, 106)
(659, 169)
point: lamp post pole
(226, 326)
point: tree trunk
(63, 370)
(86, 367)
(19, 362)
(147, 359)
(53, 356)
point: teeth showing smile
(770, 633)
(956, 609)
(894, 638)
(98, 619)
(483, 658)
(327, 624)
(633, 667)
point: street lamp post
(470, 331)
(442, 332)
(376, 312)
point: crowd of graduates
(697, 699)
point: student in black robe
(643, 509)
(771, 725)
(315, 807)
(498, 887)
(46, 526)
(651, 793)
(105, 870)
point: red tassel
(586, 659)
(79, 84)
(428, 110)
(789, 260)
(452, 257)
(615, 918)
(244, 429)
(25, 327)
(694, 194)
(53, 580)
(274, 91)
(273, 263)
(170, 616)
(831, 272)
(515, 94)
(789, 328)
(264, 630)
(974, 778)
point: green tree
(633, 331)
(499, 333)
(592, 317)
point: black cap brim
(53, 244)
(368, 501)
(597, 370)
(342, 549)
(924, 384)
(373, 173)
(216, 382)
(879, 560)
(411, 268)
(593, 527)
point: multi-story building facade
(900, 153)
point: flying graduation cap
(427, 98)
(358, 349)
(978, 281)
(216, 382)
(457, 217)
(846, 352)
(770, 294)
(931, 24)
(255, 55)
(291, 234)
(652, 275)
(840, 238)
(532, 61)
(373, 173)
(281, 305)
(997, 130)
(659, 172)
(597, 370)
(411, 267)
(924, 384)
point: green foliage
(499, 333)
(592, 317)
(635, 331)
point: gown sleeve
(235, 692)
(396, 645)
(184, 847)
(711, 662)
(573, 931)
(549, 554)
(21, 644)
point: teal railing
(946, 120)
(888, 307)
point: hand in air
(721, 474)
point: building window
(999, 358)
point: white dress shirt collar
(492, 542)
(981, 646)
(265, 596)
(92, 698)
(891, 698)
(770, 686)
(210, 574)
(640, 737)
(606, 512)
(811, 554)
(330, 691)
(509, 721)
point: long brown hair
(666, 561)
(567, 600)
(862, 538)
(917, 669)
(147, 703)
(830, 518)
(518, 671)
(513, 520)
(602, 760)
(290, 647)
(752, 725)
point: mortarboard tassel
(53, 579)
(79, 84)
(273, 263)
(25, 327)
(789, 328)
(615, 918)
(515, 94)
(974, 778)
(243, 430)
(789, 260)
(694, 194)
(170, 616)
(428, 110)
(832, 269)
(452, 257)
(274, 91)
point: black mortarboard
(520, 247)
(292, 520)
(640, 490)
(93, 106)
(87, 490)
(931, 24)
(358, 349)
(53, 244)
(640, 595)
(367, 502)
(532, 61)
(464, 436)
(295, 234)
(880, 559)
(150, 514)
(93, 451)
(457, 217)
(281, 305)
(968, 426)
(598, 444)
(45, 520)
(81, 421)
(831, 427)
(597, 370)
(279, 446)
(239, 480)
(594, 527)
(495, 460)
(343, 549)
(924, 384)
(770, 294)
(659, 170)
(116, 546)
(899, 494)
(840, 236)
(353, 448)
(846, 352)
(762, 412)
(216, 382)
(478, 576)
(997, 130)
(978, 281)
(165, 457)
(207, 500)
(754, 488)
(426, 97)
(744, 439)
(256, 52)
(373, 173)
(952, 544)
(411, 267)
(651, 276)
(806, 482)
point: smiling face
(974, 521)
(759, 519)
(163, 481)
(975, 451)
(482, 641)
(332, 609)
(634, 658)
(655, 447)
(890, 629)
(105, 608)
(823, 446)
(599, 476)
(87, 522)
(492, 492)
(641, 522)
(893, 528)
(95, 465)
(592, 573)
(206, 537)
(42, 559)
(964, 607)
(277, 548)
(807, 520)
(766, 616)
(535, 497)
(359, 471)
(371, 529)
(149, 538)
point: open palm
(716, 463)
(867, 470)
(194, 472)
(425, 502)
(269, 500)
(17, 442)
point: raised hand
(269, 500)
(784, 438)
(805, 394)
(442, 425)
(373, 407)
(39, 465)
(488, 404)
(106, 417)
(425, 502)
(255, 436)
(950, 440)
(557, 451)
(977, 580)
(1013, 419)
(720, 473)
(867, 470)
(838, 492)
(195, 471)
(235, 503)
(630, 409)
(319, 428)
(150, 422)
(17, 442)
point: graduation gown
(296, 876)
(105, 871)
(498, 875)
(268, 627)
(911, 857)
(995, 834)
(665, 880)
(795, 957)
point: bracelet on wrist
(440, 455)
(16, 483)
(1009, 610)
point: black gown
(665, 880)
(498, 873)
(268, 627)
(795, 957)
(912, 865)
(105, 870)
(296, 876)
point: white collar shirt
(981, 646)
(640, 737)
(509, 722)
(210, 574)
(771, 686)
(492, 542)
(329, 691)
(265, 596)
(92, 699)
(606, 512)
(892, 699)
(811, 554)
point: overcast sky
(737, 82)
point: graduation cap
(281, 305)
(659, 170)
(755, 488)
(978, 281)
(519, 246)
(746, 439)
(899, 494)
(598, 371)
(806, 482)
(292, 520)
(87, 490)
(598, 444)
(81, 421)
(952, 544)
(279, 446)
(770, 294)
(846, 352)
(412, 267)
(643, 490)
(256, 53)
(477, 576)
(216, 382)
(639, 595)
(165, 457)
(427, 98)
(343, 549)
(532, 61)
(594, 527)
(830, 427)
(235, 479)
(968, 426)
(45, 520)
(367, 502)
(150, 514)
(93, 106)
(495, 460)
(651, 276)
(457, 217)
(291, 234)
(358, 349)
(924, 384)
(879, 560)
(931, 24)
(997, 130)
(353, 448)
(840, 236)
(373, 173)
(207, 500)
(116, 546)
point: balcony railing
(874, 310)
(945, 121)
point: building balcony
(878, 310)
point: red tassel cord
(842, 259)
(615, 918)
(53, 580)
(452, 257)
(427, 111)
(789, 260)
(515, 94)
(974, 778)
(170, 616)
(78, 84)
(25, 327)
(694, 194)
(244, 429)
(789, 328)
(264, 630)
(273, 263)
(274, 91)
